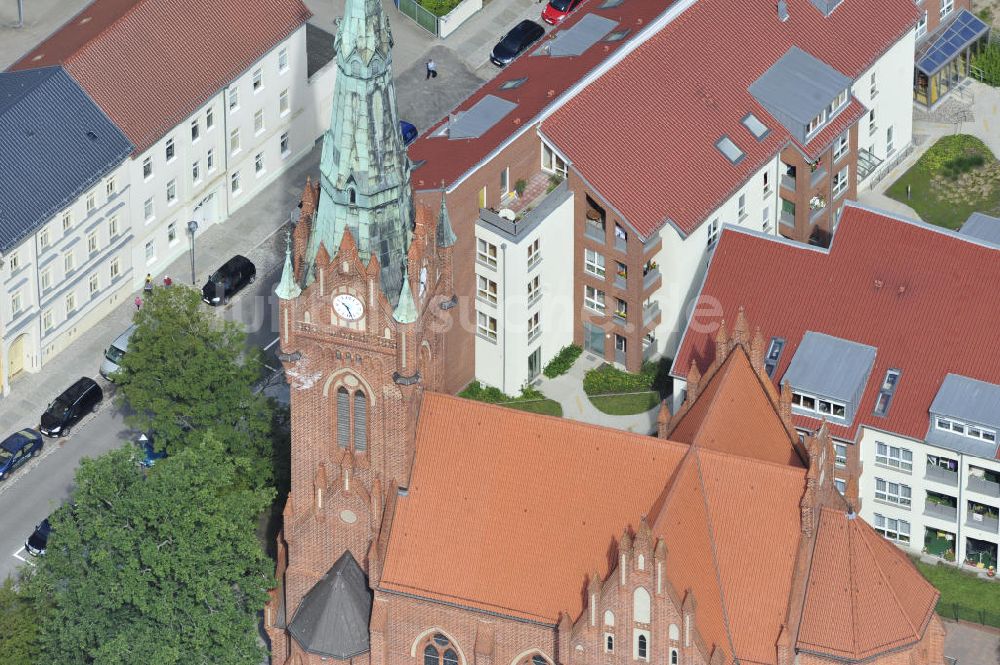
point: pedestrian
(167, 281)
(149, 283)
(432, 71)
(138, 303)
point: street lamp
(192, 229)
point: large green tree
(188, 372)
(155, 567)
(18, 627)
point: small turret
(287, 288)
(445, 235)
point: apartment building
(866, 340)
(216, 108)
(64, 231)
(659, 157)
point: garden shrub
(562, 361)
(988, 60)
(951, 148)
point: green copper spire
(364, 170)
(406, 310)
(287, 288)
(445, 236)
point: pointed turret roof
(332, 619)
(445, 235)
(287, 288)
(406, 310)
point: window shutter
(360, 422)
(343, 418)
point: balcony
(941, 511)
(528, 212)
(816, 213)
(984, 486)
(788, 182)
(941, 475)
(649, 313)
(594, 230)
(620, 356)
(621, 244)
(652, 243)
(620, 318)
(621, 282)
(787, 218)
(649, 347)
(817, 176)
(650, 273)
(984, 521)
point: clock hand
(349, 312)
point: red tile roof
(149, 64)
(649, 145)
(923, 296)
(547, 79)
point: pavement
(567, 389)
(969, 644)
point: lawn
(963, 595)
(625, 404)
(957, 176)
(547, 407)
(530, 399)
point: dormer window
(818, 405)
(816, 122)
(965, 429)
(838, 103)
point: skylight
(730, 150)
(608, 4)
(773, 355)
(617, 35)
(756, 127)
(513, 83)
(886, 391)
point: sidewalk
(970, 644)
(567, 389)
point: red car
(557, 10)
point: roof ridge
(896, 217)
(852, 581)
(695, 449)
(99, 33)
(794, 470)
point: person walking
(138, 303)
(149, 283)
(167, 281)
(432, 71)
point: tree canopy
(157, 567)
(188, 372)
(18, 627)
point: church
(430, 530)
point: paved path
(568, 391)
(971, 645)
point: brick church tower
(363, 302)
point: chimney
(782, 10)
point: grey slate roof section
(55, 144)
(969, 400)
(831, 367)
(475, 122)
(959, 443)
(826, 6)
(983, 227)
(332, 619)
(797, 88)
(585, 33)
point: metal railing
(421, 16)
(983, 486)
(941, 475)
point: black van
(66, 410)
(227, 280)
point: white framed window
(43, 237)
(70, 302)
(172, 232)
(821, 406)
(486, 253)
(534, 327)
(534, 253)
(283, 59)
(47, 320)
(839, 102)
(765, 219)
(893, 529)
(92, 245)
(890, 492)
(283, 105)
(93, 285)
(946, 7)
(741, 207)
(258, 80)
(14, 261)
(922, 25)
(487, 290)
(147, 209)
(67, 220)
(713, 231)
(594, 299)
(209, 118)
(487, 327)
(534, 288)
(91, 202)
(553, 163)
(258, 163)
(640, 645)
(840, 182)
(115, 268)
(872, 127)
(816, 122)
(234, 140)
(609, 643)
(873, 85)
(15, 303)
(147, 167)
(234, 183)
(840, 454)
(893, 456)
(234, 99)
(674, 657)
(258, 121)
(593, 263)
(840, 146)
(840, 484)
(171, 192)
(889, 147)
(170, 150)
(195, 130)
(45, 279)
(210, 160)
(965, 429)
(284, 145)
(150, 251)
(766, 191)
(113, 227)
(69, 262)
(110, 187)
(195, 171)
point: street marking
(17, 555)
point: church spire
(287, 288)
(364, 169)
(445, 235)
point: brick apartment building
(887, 336)
(659, 146)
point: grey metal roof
(983, 227)
(828, 366)
(585, 33)
(332, 619)
(968, 400)
(55, 143)
(797, 88)
(826, 6)
(960, 443)
(476, 121)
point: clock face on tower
(348, 307)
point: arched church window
(643, 648)
(439, 651)
(535, 659)
(360, 422)
(352, 196)
(343, 417)
(640, 605)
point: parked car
(225, 282)
(39, 539)
(66, 410)
(557, 10)
(515, 42)
(17, 449)
(148, 451)
(409, 132)
(113, 354)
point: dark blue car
(148, 451)
(17, 448)
(408, 131)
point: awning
(960, 33)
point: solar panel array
(965, 29)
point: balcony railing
(983, 486)
(620, 318)
(653, 242)
(787, 218)
(817, 176)
(982, 522)
(788, 182)
(941, 475)
(814, 215)
(621, 244)
(650, 278)
(620, 356)
(650, 312)
(649, 349)
(594, 231)
(620, 282)
(941, 511)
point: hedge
(563, 360)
